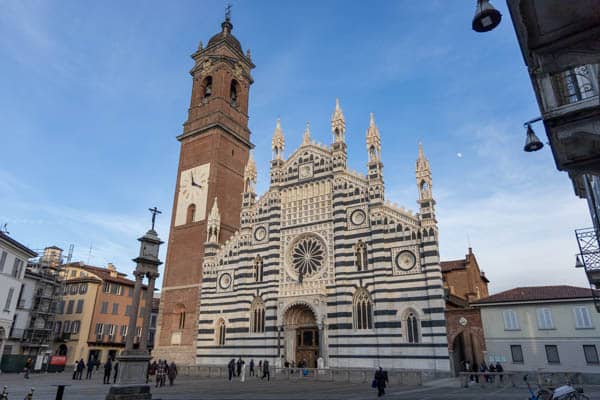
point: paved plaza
(202, 388)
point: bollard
(29, 396)
(60, 390)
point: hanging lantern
(486, 17)
(532, 142)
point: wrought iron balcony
(589, 251)
(574, 85)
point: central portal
(301, 336)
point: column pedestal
(132, 378)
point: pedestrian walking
(243, 372)
(251, 367)
(266, 372)
(379, 381)
(116, 372)
(160, 373)
(27, 368)
(260, 369)
(172, 373)
(499, 369)
(151, 370)
(75, 369)
(238, 367)
(107, 369)
(80, 368)
(231, 367)
(90, 368)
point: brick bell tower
(215, 145)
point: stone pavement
(193, 388)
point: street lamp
(486, 17)
(532, 142)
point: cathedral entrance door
(307, 346)
(302, 336)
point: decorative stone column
(132, 326)
(133, 363)
(152, 276)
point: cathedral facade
(320, 268)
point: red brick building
(464, 283)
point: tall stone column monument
(133, 362)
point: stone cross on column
(133, 363)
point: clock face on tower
(193, 190)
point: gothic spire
(278, 141)
(213, 225)
(338, 123)
(422, 162)
(250, 170)
(306, 137)
(373, 140)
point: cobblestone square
(193, 388)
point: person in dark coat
(251, 368)
(499, 369)
(239, 367)
(107, 369)
(266, 372)
(172, 374)
(231, 368)
(80, 368)
(379, 381)
(27, 368)
(90, 368)
(117, 372)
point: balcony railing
(589, 251)
(574, 85)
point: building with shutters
(549, 328)
(13, 261)
(93, 313)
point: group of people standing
(163, 370)
(110, 367)
(497, 367)
(238, 368)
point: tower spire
(306, 137)
(338, 123)
(278, 141)
(250, 174)
(213, 225)
(424, 181)
(227, 25)
(373, 140)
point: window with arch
(362, 310)
(258, 269)
(360, 255)
(412, 327)
(257, 316)
(372, 152)
(220, 332)
(233, 92)
(207, 87)
(182, 320)
(191, 211)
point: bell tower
(215, 145)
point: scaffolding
(45, 270)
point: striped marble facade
(323, 249)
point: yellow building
(93, 315)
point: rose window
(307, 256)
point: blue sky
(92, 95)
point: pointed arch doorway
(302, 336)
